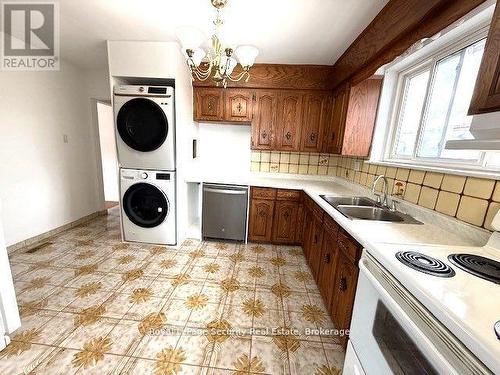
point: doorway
(109, 162)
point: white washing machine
(145, 126)
(148, 212)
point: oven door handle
(424, 343)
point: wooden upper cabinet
(360, 118)
(486, 96)
(314, 121)
(264, 121)
(334, 134)
(238, 105)
(289, 120)
(208, 104)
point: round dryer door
(145, 205)
(142, 124)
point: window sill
(468, 172)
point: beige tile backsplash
(470, 199)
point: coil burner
(425, 264)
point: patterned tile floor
(91, 304)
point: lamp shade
(246, 55)
(189, 37)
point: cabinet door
(346, 278)
(285, 222)
(239, 105)
(315, 247)
(328, 262)
(335, 130)
(299, 233)
(486, 96)
(315, 118)
(289, 121)
(306, 243)
(208, 104)
(360, 120)
(261, 220)
(263, 124)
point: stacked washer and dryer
(145, 138)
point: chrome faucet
(386, 190)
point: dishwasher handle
(224, 191)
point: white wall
(224, 149)
(108, 151)
(46, 183)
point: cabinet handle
(327, 258)
(239, 107)
(209, 106)
(288, 135)
(343, 284)
(264, 135)
(312, 137)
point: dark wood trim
(281, 76)
(486, 97)
(399, 24)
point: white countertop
(367, 233)
(457, 302)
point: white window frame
(458, 37)
(429, 63)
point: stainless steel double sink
(363, 208)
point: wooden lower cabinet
(285, 222)
(299, 233)
(261, 220)
(328, 263)
(290, 217)
(344, 290)
(274, 216)
(307, 226)
(315, 247)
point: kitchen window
(429, 93)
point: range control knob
(144, 175)
(141, 89)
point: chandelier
(218, 62)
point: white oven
(393, 333)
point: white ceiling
(285, 31)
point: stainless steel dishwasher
(224, 212)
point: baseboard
(33, 241)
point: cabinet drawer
(288, 195)
(348, 246)
(263, 193)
